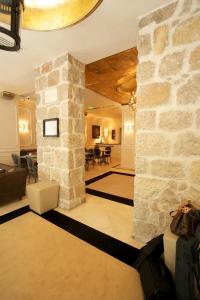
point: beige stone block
(76, 176)
(189, 92)
(66, 126)
(152, 95)
(144, 44)
(73, 140)
(171, 64)
(187, 32)
(145, 71)
(195, 171)
(64, 92)
(160, 39)
(41, 83)
(43, 172)
(141, 165)
(143, 231)
(158, 15)
(53, 112)
(195, 59)
(63, 159)
(80, 190)
(66, 193)
(152, 144)
(182, 186)
(37, 72)
(76, 63)
(167, 169)
(198, 118)
(192, 194)
(55, 174)
(79, 125)
(78, 94)
(53, 78)
(175, 120)
(47, 159)
(47, 67)
(63, 59)
(187, 144)
(146, 119)
(79, 157)
(41, 113)
(186, 7)
(149, 188)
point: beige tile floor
(109, 217)
(115, 184)
(6, 207)
(99, 169)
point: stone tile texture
(168, 115)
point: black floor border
(99, 177)
(94, 179)
(111, 197)
(14, 214)
(116, 248)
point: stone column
(168, 115)
(128, 138)
(60, 88)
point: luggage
(156, 280)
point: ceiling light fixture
(42, 4)
(45, 15)
(132, 101)
(9, 34)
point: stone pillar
(168, 115)
(128, 138)
(60, 88)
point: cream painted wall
(9, 136)
(128, 138)
(107, 125)
(26, 111)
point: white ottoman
(43, 196)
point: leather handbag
(185, 220)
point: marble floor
(100, 169)
(112, 218)
(43, 262)
(115, 184)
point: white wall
(9, 136)
(128, 138)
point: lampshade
(9, 34)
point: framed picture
(51, 127)
(113, 134)
(95, 131)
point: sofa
(12, 184)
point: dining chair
(107, 154)
(16, 160)
(89, 158)
(32, 168)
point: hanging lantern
(9, 33)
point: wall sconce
(23, 126)
(105, 132)
(128, 127)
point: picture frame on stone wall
(51, 127)
(96, 129)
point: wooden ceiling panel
(115, 76)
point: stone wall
(59, 86)
(168, 115)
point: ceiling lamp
(42, 4)
(9, 34)
(132, 101)
(45, 15)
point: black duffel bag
(156, 280)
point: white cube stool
(43, 196)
